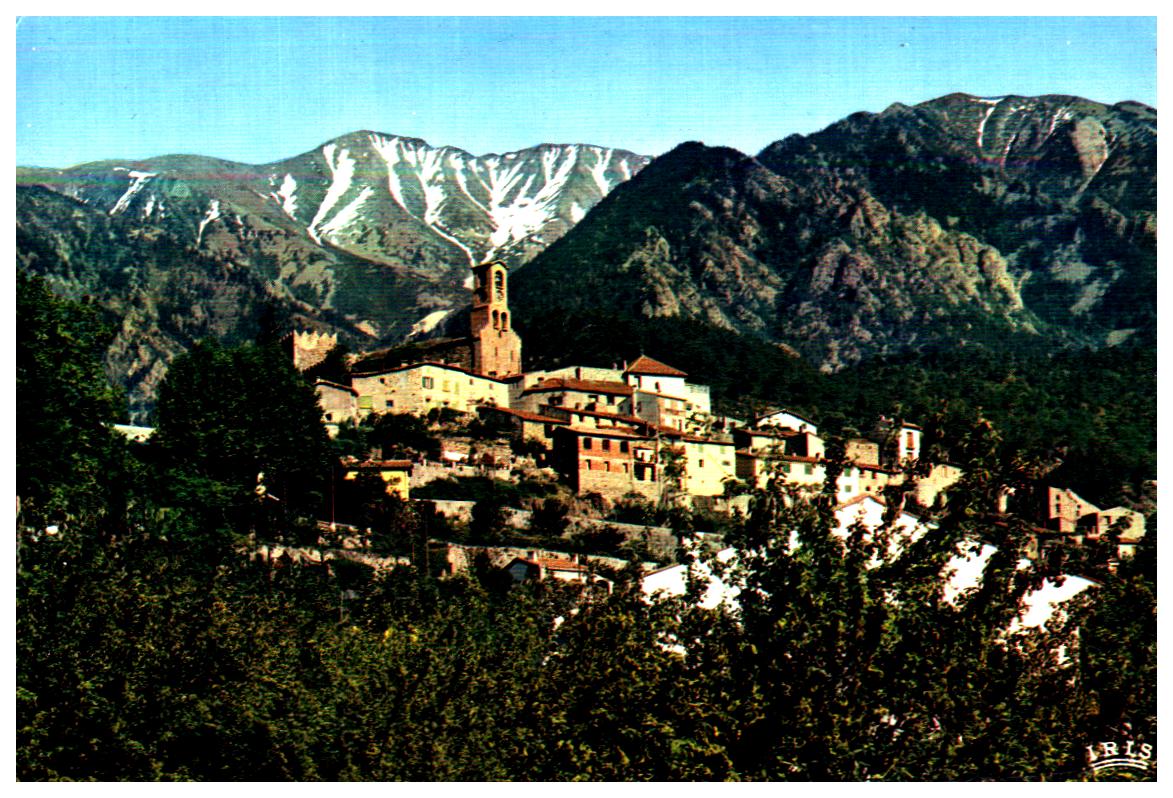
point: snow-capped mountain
(428, 213)
(494, 206)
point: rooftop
(432, 363)
(586, 386)
(376, 465)
(608, 432)
(646, 365)
(523, 414)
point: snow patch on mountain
(426, 166)
(139, 180)
(982, 125)
(212, 215)
(1062, 115)
(342, 173)
(599, 171)
(517, 220)
(286, 196)
(347, 215)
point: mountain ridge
(954, 222)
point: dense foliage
(63, 401)
(154, 643)
(239, 430)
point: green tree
(848, 663)
(489, 522)
(550, 519)
(68, 460)
(239, 429)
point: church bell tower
(496, 348)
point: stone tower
(309, 348)
(496, 348)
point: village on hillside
(637, 432)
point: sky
(261, 89)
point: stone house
(708, 464)
(610, 461)
(420, 387)
(780, 441)
(664, 398)
(339, 404)
(902, 442)
(1132, 528)
(611, 397)
(756, 469)
(862, 452)
(932, 490)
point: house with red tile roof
(612, 397)
(540, 565)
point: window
(606, 445)
(428, 382)
(586, 443)
(623, 447)
(701, 463)
(809, 469)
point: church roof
(646, 365)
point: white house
(673, 581)
(786, 419)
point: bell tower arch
(496, 347)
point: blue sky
(261, 89)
